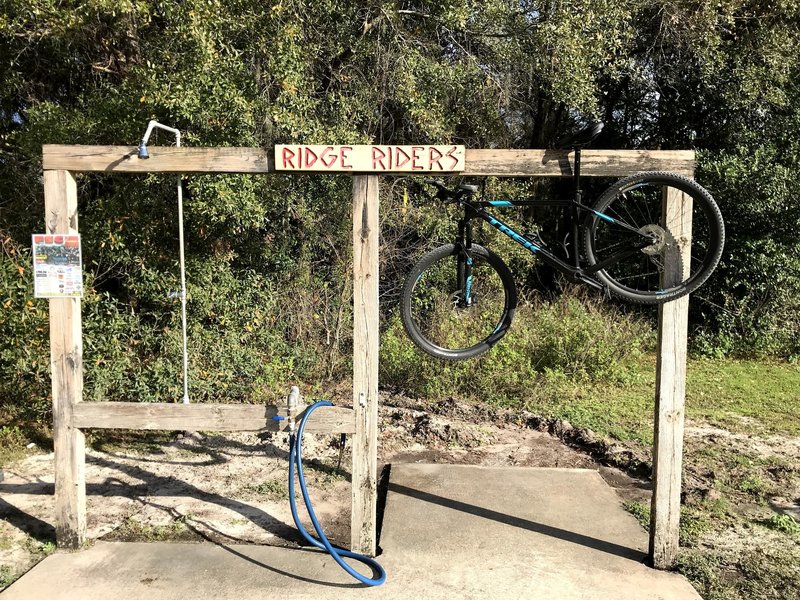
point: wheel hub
(658, 234)
(460, 302)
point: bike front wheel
(456, 304)
(652, 251)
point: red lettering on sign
(451, 157)
(434, 160)
(415, 150)
(287, 157)
(377, 158)
(38, 239)
(48, 239)
(398, 152)
(343, 156)
(331, 157)
(307, 157)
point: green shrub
(24, 331)
(572, 338)
(752, 303)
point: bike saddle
(581, 137)
(468, 188)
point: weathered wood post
(363, 524)
(70, 414)
(66, 364)
(673, 318)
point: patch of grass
(782, 523)
(640, 510)
(277, 489)
(763, 391)
(13, 444)
(38, 547)
(752, 484)
(573, 339)
(769, 573)
(581, 380)
(7, 576)
(695, 522)
(706, 573)
(134, 530)
(759, 572)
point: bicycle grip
(442, 192)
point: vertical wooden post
(66, 363)
(673, 318)
(363, 525)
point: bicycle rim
(635, 208)
(459, 318)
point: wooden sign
(369, 159)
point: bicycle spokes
(635, 238)
(458, 302)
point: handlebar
(442, 192)
(445, 194)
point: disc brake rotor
(660, 236)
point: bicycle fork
(465, 261)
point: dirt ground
(233, 487)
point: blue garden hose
(296, 461)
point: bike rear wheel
(451, 315)
(634, 208)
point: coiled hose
(296, 462)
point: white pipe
(150, 126)
(183, 290)
(153, 124)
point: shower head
(152, 124)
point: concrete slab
(448, 532)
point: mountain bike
(459, 299)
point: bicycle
(459, 300)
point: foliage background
(267, 257)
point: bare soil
(233, 487)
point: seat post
(574, 215)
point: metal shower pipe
(143, 153)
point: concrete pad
(510, 532)
(448, 532)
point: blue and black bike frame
(578, 217)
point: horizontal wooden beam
(478, 162)
(203, 417)
(163, 159)
(594, 163)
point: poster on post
(57, 268)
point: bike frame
(574, 271)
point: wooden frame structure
(71, 415)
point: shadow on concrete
(176, 515)
(541, 528)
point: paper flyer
(57, 269)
